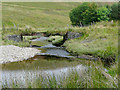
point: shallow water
(41, 64)
(48, 49)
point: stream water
(51, 61)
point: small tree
(103, 14)
(83, 14)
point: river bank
(11, 53)
(99, 40)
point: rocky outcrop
(72, 35)
(16, 38)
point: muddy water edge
(51, 61)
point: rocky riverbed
(11, 53)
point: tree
(85, 14)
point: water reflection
(40, 65)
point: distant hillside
(38, 14)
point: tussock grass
(20, 44)
(100, 40)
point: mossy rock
(56, 40)
(51, 38)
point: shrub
(85, 13)
(103, 14)
(115, 12)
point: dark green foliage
(84, 14)
(88, 13)
(115, 11)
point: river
(51, 61)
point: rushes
(92, 78)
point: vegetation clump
(83, 14)
(88, 13)
(56, 40)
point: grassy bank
(99, 40)
(33, 17)
(14, 31)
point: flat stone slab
(11, 53)
(63, 56)
(50, 46)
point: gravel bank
(11, 53)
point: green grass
(37, 14)
(99, 40)
(14, 31)
(20, 44)
(39, 17)
(94, 77)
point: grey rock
(16, 38)
(73, 35)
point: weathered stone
(16, 38)
(72, 35)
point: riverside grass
(98, 37)
(99, 40)
(91, 78)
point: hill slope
(37, 14)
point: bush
(115, 12)
(103, 14)
(88, 13)
(84, 14)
